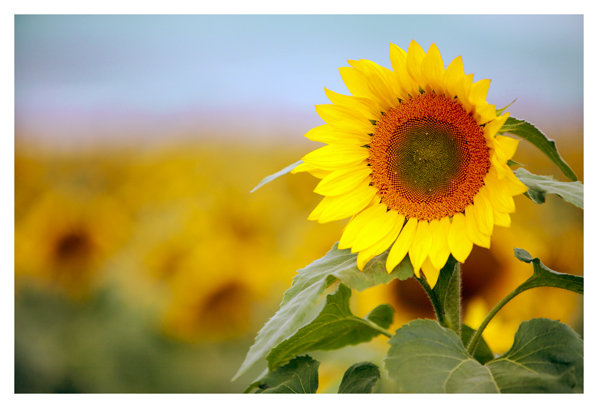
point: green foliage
(544, 276)
(426, 357)
(545, 357)
(448, 292)
(301, 303)
(299, 376)
(276, 175)
(360, 378)
(533, 135)
(482, 353)
(335, 327)
(539, 186)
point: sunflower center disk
(429, 157)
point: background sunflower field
(143, 264)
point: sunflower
(413, 157)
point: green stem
(433, 299)
(378, 328)
(473, 343)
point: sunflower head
(413, 158)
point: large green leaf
(334, 328)
(546, 356)
(360, 378)
(302, 302)
(533, 135)
(299, 376)
(539, 186)
(426, 357)
(276, 175)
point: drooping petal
(356, 224)
(367, 254)
(378, 227)
(401, 245)
(459, 243)
(343, 206)
(473, 231)
(431, 272)
(439, 250)
(420, 248)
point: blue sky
(80, 76)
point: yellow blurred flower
(64, 238)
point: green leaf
(546, 277)
(276, 175)
(360, 378)
(546, 356)
(426, 357)
(334, 328)
(539, 186)
(448, 293)
(482, 353)
(302, 302)
(547, 146)
(299, 376)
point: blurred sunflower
(65, 238)
(414, 159)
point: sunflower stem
(433, 299)
(446, 295)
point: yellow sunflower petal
(431, 272)
(333, 157)
(344, 118)
(491, 128)
(313, 170)
(342, 181)
(382, 245)
(356, 224)
(381, 82)
(401, 245)
(498, 193)
(439, 251)
(482, 211)
(398, 59)
(433, 69)
(505, 147)
(415, 55)
(420, 248)
(332, 135)
(379, 226)
(356, 83)
(346, 205)
(453, 76)
(473, 232)
(364, 106)
(502, 219)
(459, 243)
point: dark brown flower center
(429, 157)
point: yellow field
(152, 269)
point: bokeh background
(143, 263)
